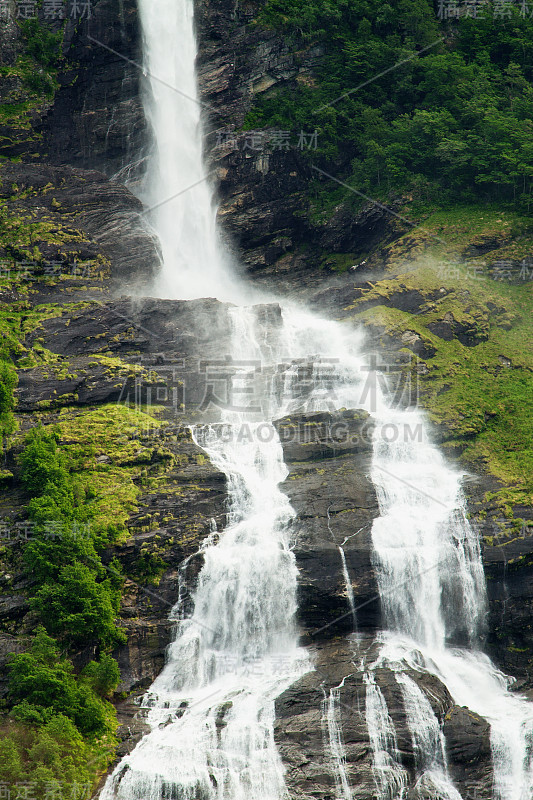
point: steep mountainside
(106, 497)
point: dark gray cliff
(93, 249)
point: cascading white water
(428, 741)
(430, 575)
(426, 554)
(177, 187)
(334, 744)
(212, 714)
(212, 709)
(389, 775)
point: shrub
(43, 466)
(103, 675)
(41, 43)
(42, 684)
(78, 608)
(8, 382)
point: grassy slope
(483, 394)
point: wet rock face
(97, 120)
(303, 736)
(467, 738)
(93, 223)
(328, 456)
(149, 351)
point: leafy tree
(43, 466)
(46, 554)
(50, 756)
(78, 608)
(103, 675)
(451, 119)
(42, 684)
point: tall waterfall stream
(212, 708)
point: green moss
(20, 232)
(482, 394)
(110, 432)
(338, 262)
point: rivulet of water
(389, 775)
(334, 744)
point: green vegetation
(8, 381)
(481, 393)
(22, 234)
(32, 83)
(452, 123)
(60, 727)
(42, 685)
(49, 758)
(42, 44)
(77, 597)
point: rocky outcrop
(82, 108)
(75, 224)
(264, 179)
(167, 531)
(97, 120)
(303, 735)
(328, 456)
(467, 735)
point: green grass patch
(482, 393)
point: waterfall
(211, 710)
(177, 187)
(348, 583)
(333, 739)
(428, 741)
(212, 707)
(389, 775)
(430, 575)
